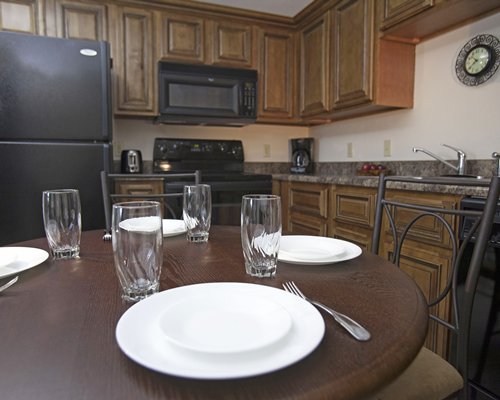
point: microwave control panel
(248, 97)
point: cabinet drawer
(139, 186)
(359, 236)
(301, 224)
(354, 206)
(309, 198)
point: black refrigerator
(55, 128)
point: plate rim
(266, 361)
(33, 261)
(353, 251)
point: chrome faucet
(496, 156)
(460, 168)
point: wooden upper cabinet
(314, 66)
(276, 74)
(352, 44)
(232, 44)
(77, 20)
(398, 10)
(182, 38)
(135, 70)
(413, 20)
(20, 16)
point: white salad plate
(315, 250)
(173, 227)
(166, 332)
(17, 259)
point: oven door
(226, 198)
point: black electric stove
(221, 163)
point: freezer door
(54, 89)
(29, 168)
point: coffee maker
(302, 150)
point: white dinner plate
(173, 227)
(142, 336)
(315, 250)
(225, 322)
(19, 259)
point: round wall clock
(478, 60)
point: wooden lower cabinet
(307, 209)
(426, 257)
(347, 212)
(139, 187)
(352, 212)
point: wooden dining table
(57, 326)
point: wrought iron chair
(430, 376)
(109, 196)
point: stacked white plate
(219, 330)
(173, 227)
(315, 250)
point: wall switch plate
(267, 151)
(349, 150)
(387, 148)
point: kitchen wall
(445, 111)
(261, 143)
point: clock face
(478, 60)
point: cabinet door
(182, 38)
(398, 10)
(314, 66)
(276, 74)
(429, 267)
(353, 31)
(134, 68)
(76, 20)
(20, 16)
(232, 44)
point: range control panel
(193, 149)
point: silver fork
(9, 284)
(107, 236)
(351, 326)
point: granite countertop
(372, 181)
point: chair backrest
(386, 220)
(109, 196)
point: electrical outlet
(387, 148)
(267, 151)
(349, 150)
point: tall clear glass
(197, 212)
(62, 221)
(137, 247)
(261, 233)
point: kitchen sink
(461, 176)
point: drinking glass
(197, 212)
(62, 221)
(137, 247)
(260, 233)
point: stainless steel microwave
(206, 95)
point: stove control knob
(223, 147)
